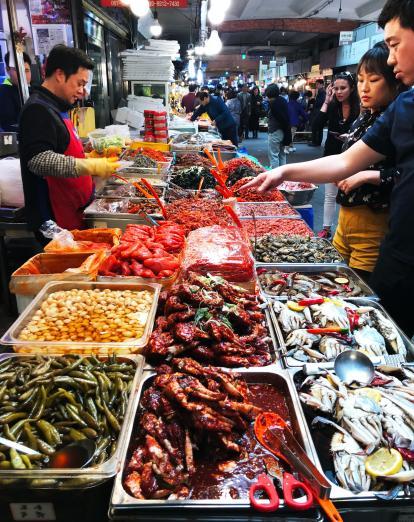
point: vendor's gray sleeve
(49, 163)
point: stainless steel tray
(324, 463)
(341, 270)
(124, 506)
(290, 362)
(310, 263)
(93, 212)
(258, 215)
(73, 478)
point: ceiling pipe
(203, 22)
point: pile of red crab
(188, 406)
(148, 252)
(212, 321)
(193, 213)
(252, 195)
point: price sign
(32, 511)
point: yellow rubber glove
(101, 167)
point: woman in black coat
(340, 109)
(257, 104)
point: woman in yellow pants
(365, 197)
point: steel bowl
(298, 198)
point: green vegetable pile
(48, 402)
(190, 178)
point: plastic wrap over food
(219, 251)
(89, 240)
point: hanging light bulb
(191, 69)
(222, 5)
(156, 28)
(199, 50)
(139, 7)
(339, 19)
(213, 44)
(200, 76)
(216, 17)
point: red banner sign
(153, 3)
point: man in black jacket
(246, 106)
(278, 126)
(10, 105)
(317, 130)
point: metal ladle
(353, 366)
(75, 455)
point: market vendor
(391, 136)
(57, 179)
(10, 104)
(219, 114)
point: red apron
(69, 196)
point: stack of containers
(149, 126)
(156, 129)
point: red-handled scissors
(289, 486)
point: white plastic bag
(11, 186)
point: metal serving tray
(290, 362)
(320, 443)
(94, 218)
(260, 215)
(341, 270)
(123, 506)
(73, 478)
(306, 264)
(11, 337)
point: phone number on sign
(168, 3)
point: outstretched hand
(266, 180)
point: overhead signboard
(346, 37)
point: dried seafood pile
(188, 406)
(371, 420)
(192, 159)
(214, 322)
(320, 329)
(294, 249)
(301, 285)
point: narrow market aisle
(258, 148)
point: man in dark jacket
(317, 130)
(246, 106)
(219, 114)
(188, 101)
(10, 105)
(278, 125)
(57, 178)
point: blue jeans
(277, 156)
(230, 133)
